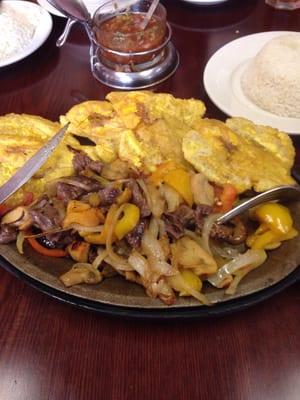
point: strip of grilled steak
(44, 215)
(67, 192)
(82, 162)
(186, 218)
(134, 238)
(108, 195)
(138, 198)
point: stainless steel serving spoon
(287, 192)
(64, 36)
(74, 9)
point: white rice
(272, 79)
(17, 28)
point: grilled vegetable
(79, 251)
(276, 225)
(129, 220)
(83, 214)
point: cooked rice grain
(272, 79)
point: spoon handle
(64, 36)
(149, 14)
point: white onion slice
(253, 258)
(20, 241)
(208, 224)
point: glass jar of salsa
(121, 37)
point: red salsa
(124, 33)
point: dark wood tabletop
(50, 350)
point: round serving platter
(119, 297)
(199, 312)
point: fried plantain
(227, 156)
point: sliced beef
(67, 192)
(184, 217)
(82, 162)
(108, 196)
(8, 234)
(173, 225)
(76, 186)
(60, 239)
(83, 182)
(233, 232)
(138, 198)
(44, 215)
(179, 220)
(134, 238)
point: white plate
(222, 81)
(41, 33)
(205, 2)
(52, 10)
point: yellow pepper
(124, 197)
(276, 226)
(82, 214)
(180, 180)
(175, 176)
(185, 276)
(131, 216)
(276, 216)
(158, 175)
(100, 238)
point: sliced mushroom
(18, 217)
(81, 273)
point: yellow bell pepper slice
(192, 280)
(261, 241)
(267, 239)
(100, 238)
(131, 216)
(124, 197)
(276, 216)
(276, 226)
(158, 175)
(180, 180)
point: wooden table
(50, 350)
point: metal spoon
(149, 14)
(63, 37)
(74, 9)
(287, 192)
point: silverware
(149, 14)
(64, 36)
(31, 166)
(74, 9)
(286, 192)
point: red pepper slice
(227, 198)
(44, 251)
